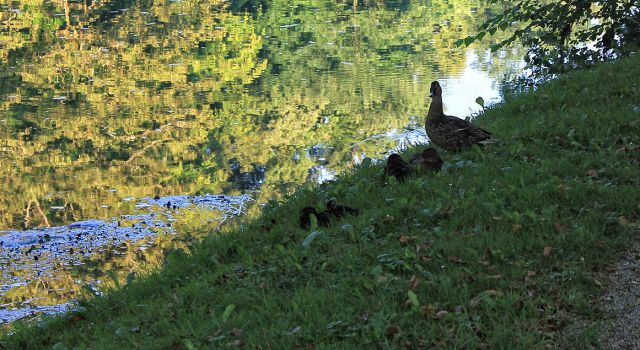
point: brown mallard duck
(428, 160)
(398, 167)
(451, 133)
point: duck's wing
(460, 129)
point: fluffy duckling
(322, 218)
(398, 167)
(451, 133)
(334, 210)
(338, 211)
(428, 160)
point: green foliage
(572, 33)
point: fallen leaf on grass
(622, 221)
(530, 274)
(392, 330)
(237, 332)
(427, 310)
(414, 282)
(518, 305)
(592, 173)
(405, 239)
(516, 227)
(475, 301)
(455, 260)
(423, 246)
(295, 330)
(562, 228)
(441, 314)
(547, 251)
(238, 343)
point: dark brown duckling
(428, 160)
(322, 218)
(398, 167)
(337, 210)
(451, 133)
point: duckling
(451, 133)
(428, 160)
(338, 211)
(398, 167)
(322, 218)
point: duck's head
(435, 90)
(394, 160)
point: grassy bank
(496, 251)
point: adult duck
(449, 132)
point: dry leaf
(518, 305)
(387, 219)
(529, 275)
(475, 301)
(492, 292)
(516, 227)
(622, 221)
(592, 173)
(547, 251)
(495, 277)
(237, 343)
(562, 228)
(237, 332)
(455, 260)
(414, 282)
(442, 313)
(392, 330)
(405, 239)
(427, 310)
(423, 246)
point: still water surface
(106, 105)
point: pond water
(111, 108)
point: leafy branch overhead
(557, 34)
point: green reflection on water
(107, 99)
(103, 100)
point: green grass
(496, 251)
